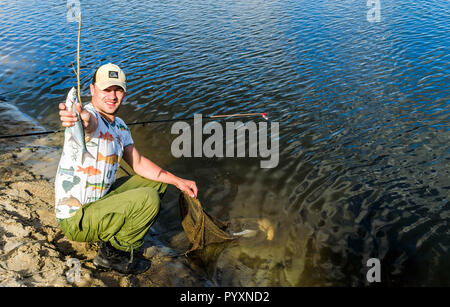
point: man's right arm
(69, 118)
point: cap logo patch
(114, 74)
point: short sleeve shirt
(81, 180)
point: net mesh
(201, 228)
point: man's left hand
(188, 186)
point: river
(362, 107)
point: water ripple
(363, 112)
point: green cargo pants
(122, 217)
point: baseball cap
(110, 74)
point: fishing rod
(221, 116)
(77, 73)
(264, 115)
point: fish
(111, 159)
(122, 127)
(67, 171)
(106, 136)
(68, 206)
(89, 170)
(267, 227)
(70, 201)
(77, 130)
(96, 186)
(68, 185)
(246, 233)
(251, 227)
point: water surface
(363, 110)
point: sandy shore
(34, 251)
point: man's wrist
(176, 181)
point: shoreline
(34, 251)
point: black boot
(109, 257)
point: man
(90, 204)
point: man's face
(107, 101)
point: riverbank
(34, 251)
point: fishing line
(212, 117)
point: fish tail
(85, 153)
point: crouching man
(90, 204)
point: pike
(77, 130)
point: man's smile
(111, 103)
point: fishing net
(202, 229)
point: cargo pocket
(109, 225)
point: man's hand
(69, 118)
(187, 186)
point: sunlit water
(363, 110)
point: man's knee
(149, 199)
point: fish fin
(85, 153)
(73, 138)
(71, 134)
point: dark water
(363, 110)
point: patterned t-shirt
(83, 180)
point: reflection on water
(363, 112)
